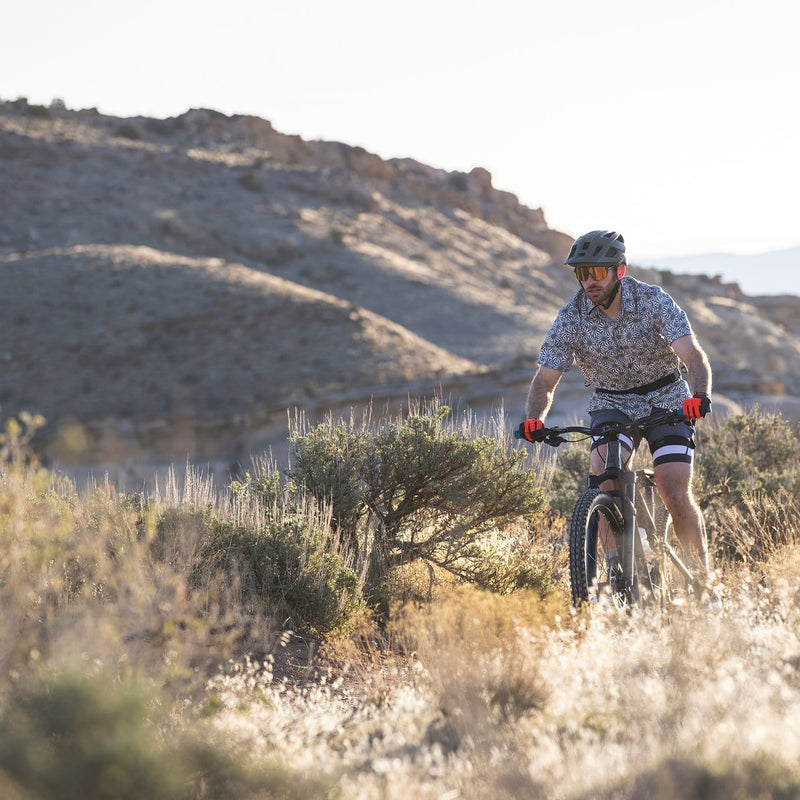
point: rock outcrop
(172, 287)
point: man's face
(599, 289)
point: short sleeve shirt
(632, 350)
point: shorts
(668, 443)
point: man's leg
(674, 484)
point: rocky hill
(171, 288)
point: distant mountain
(772, 273)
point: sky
(675, 123)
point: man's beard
(605, 299)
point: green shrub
(35, 110)
(72, 738)
(747, 469)
(748, 452)
(414, 490)
(264, 486)
(129, 130)
(251, 180)
(569, 480)
(289, 562)
(760, 776)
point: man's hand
(697, 406)
(531, 430)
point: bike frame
(662, 544)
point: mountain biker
(629, 340)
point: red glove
(697, 406)
(531, 430)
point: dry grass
(505, 697)
(460, 693)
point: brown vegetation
(213, 642)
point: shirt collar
(628, 299)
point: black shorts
(667, 443)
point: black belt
(666, 380)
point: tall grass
(211, 642)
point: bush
(251, 180)
(415, 490)
(289, 563)
(40, 111)
(72, 738)
(569, 479)
(128, 130)
(747, 471)
(748, 453)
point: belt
(646, 388)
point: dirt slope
(172, 287)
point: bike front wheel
(596, 525)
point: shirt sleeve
(671, 317)
(557, 351)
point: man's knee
(675, 488)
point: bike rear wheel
(588, 566)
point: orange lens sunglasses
(598, 273)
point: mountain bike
(630, 518)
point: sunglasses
(598, 273)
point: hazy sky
(675, 123)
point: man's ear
(621, 271)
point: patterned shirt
(632, 350)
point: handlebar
(558, 435)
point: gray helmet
(605, 248)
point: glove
(531, 430)
(697, 406)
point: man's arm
(689, 351)
(540, 392)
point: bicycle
(649, 568)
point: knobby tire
(587, 567)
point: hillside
(172, 287)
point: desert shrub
(68, 736)
(761, 776)
(757, 526)
(414, 490)
(747, 471)
(749, 452)
(263, 486)
(179, 531)
(83, 577)
(289, 563)
(569, 479)
(251, 180)
(128, 130)
(459, 181)
(35, 110)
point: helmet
(606, 248)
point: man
(629, 340)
